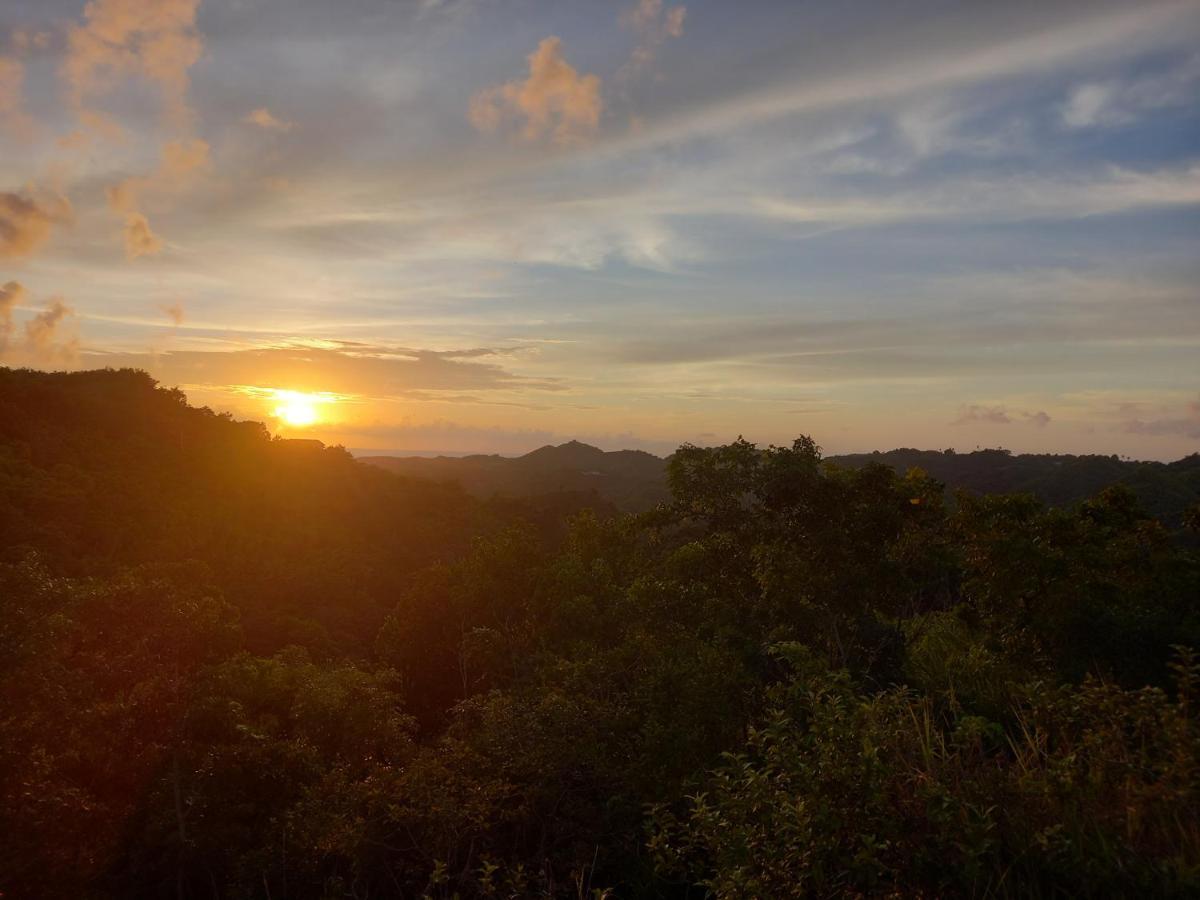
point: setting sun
(297, 409)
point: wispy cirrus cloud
(344, 368)
(1115, 102)
(985, 198)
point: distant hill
(634, 480)
(1165, 490)
(631, 479)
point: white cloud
(1118, 102)
(911, 64)
(989, 199)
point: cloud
(1185, 425)
(998, 415)
(13, 117)
(907, 56)
(180, 161)
(555, 101)
(155, 40)
(24, 40)
(1089, 104)
(11, 294)
(264, 118)
(966, 323)
(175, 313)
(989, 415)
(653, 23)
(357, 369)
(42, 329)
(27, 221)
(140, 239)
(182, 158)
(1118, 102)
(42, 344)
(1004, 199)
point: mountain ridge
(635, 480)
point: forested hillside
(244, 667)
(1165, 490)
(636, 481)
(631, 479)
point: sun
(297, 409)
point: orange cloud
(24, 41)
(554, 101)
(264, 118)
(180, 160)
(139, 239)
(174, 313)
(653, 23)
(649, 15)
(26, 222)
(41, 330)
(10, 295)
(151, 39)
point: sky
(488, 225)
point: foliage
(243, 667)
(838, 792)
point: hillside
(102, 470)
(635, 481)
(1165, 490)
(239, 666)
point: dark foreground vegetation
(238, 667)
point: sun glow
(297, 409)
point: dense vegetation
(243, 667)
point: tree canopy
(244, 667)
